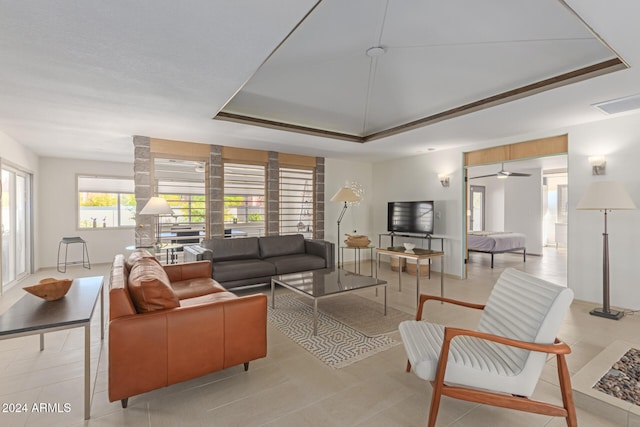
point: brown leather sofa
(172, 323)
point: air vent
(619, 105)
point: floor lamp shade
(346, 195)
(606, 196)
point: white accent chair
(500, 363)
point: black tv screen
(410, 217)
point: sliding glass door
(15, 225)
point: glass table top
(318, 283)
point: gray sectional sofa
(254, 260)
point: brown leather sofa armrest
(188, 270)
(137, 354)
(245, 329)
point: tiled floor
(290, 387)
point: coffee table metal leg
(315, 316)
(41, 342)
(385, 299)
(273, 300)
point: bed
(497, 242)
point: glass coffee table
(319, 284)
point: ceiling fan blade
(483, 176)
(519, 174)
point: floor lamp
(346, 195)
(157, 206)
(606, 197)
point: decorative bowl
(409, 246)
(50, 289)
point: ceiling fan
(502, 174)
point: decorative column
(318, 226)
(272, 220)
(143, 187)
(215, 207)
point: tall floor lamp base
(610, 314)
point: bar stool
(62, 267)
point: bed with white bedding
(497, 242)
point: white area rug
(337, 344)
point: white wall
(358, 218)
(523, 212)
(58, 211)
(12, 151)
(416, 178)
(619, 141)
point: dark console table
(32, 315)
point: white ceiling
(437, 56)
(78, 79)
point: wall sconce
(598, 164)
(444, 180)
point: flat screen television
(410, 217)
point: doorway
(15, 223)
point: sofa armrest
(245, 329)
(323, 249)
(193, 253)
(197, 253)
(188, 270)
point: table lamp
(157, 206)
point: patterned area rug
(337, 344)
(360, 313)
(623, 379)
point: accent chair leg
(565, 390)
(408, 366)
(124, 402)
(246, 366)
(435, 403)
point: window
(296, 201)
(106, 202)
(244, 199)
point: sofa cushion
(296, 263)
(195, 287)
(232, 249)
(207, 299)
(149, 287)
(275, 246)
(242, 269)
(139, 254)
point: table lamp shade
(606, 195)
(156, 206)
